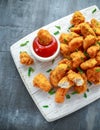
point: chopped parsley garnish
(85, 95)
(68, 67)
(52, 91)
(65, 41)
(24, 44)
(89, 82)
(68, 96)
(71, 27)
(80, 70)
(30, 69)
(45, 106)
(97, 70)
(74, 93)
(53, 61)
(49, 70)
(58, 27)
(86, 54)
(98, 43)
(93, 11)
(56, 33)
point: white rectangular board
(54, 111)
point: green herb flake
(56, 33)
(87, 90)
(73, 93)
(98, 43)
(93, 11)
(89, 82)
(30, 70)
(24, 44)
(85, 95)
(52, 91)
(45, 106)
(65, 41)
(68, 67)
(58, 27)
(86, 54)
(68, 96)
(53, 61)
(49, 70)
(82, 58)
(71, 27)
(97, 70)
(80, 70)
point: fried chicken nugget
(88, 64)
(75, 77)
(67, 37)
(57, 74)
(42, 82)
(64, 49)
(77, 18)
(96, 26)
(88, 41)
(75, 43)
(77, 58)
(86, 30)
(98, 58)
(92, 51)
(60, 95)
(25, 59)
(65, 83)
(93, 75)
(67, 62)
(44, 37)
(76, 29)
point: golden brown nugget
(65, 83)
(80, 89)
(88, 41)
(93, 75)
(93, 50)
(98, 58)
(75, 77)
(60, 95)
(44, 37)
(67, 37)
(57, 74)
(75, 43)
(64, 49)
(42, 82)
(77, 18)
(76, 29)
(88, 64)
(86, 30)
(77, 58)
(25, 59)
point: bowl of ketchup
(45, 52)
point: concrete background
(17, 110)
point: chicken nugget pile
(80, 49)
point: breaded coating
(95, 23)
(98, 58)
(80, 89)
(77, 58)
(77, 18)
(60, 95)
(93, 75)
(42, 82)
(92, 51)
(26, 59)
(88, 41)
(86, 30)
(88, 64)
(65, 83)
(67, 62)
(75, 43)
(57, 74)
(64, 49)
(75, 77)
(67, 37)
(44, 37)
(76, 29)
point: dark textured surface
(17, 110)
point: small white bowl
(45, 59)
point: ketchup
(45, 51)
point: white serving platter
(54, 111)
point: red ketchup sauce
(45, 51)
